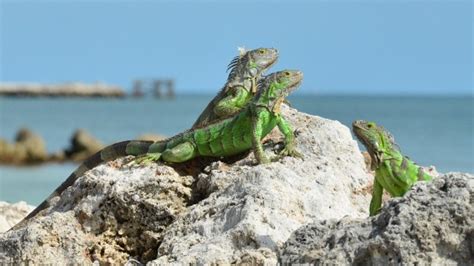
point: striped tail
(109, 153)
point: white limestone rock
(112, 214)
(433, 224)
(252, 210)
(12, 213)
(229, 213)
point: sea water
(430, 130)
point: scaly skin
(225, 138)
(240, 87)
(240, 133)
(393, 171)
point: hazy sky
(381, 47)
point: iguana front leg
(233, 103)
(257, 132)
(376, 202)
(147, 158)
(290, 143)
(177, 154)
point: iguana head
(375, 138)
(252, 63)
(273, 88)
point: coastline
(95, 90)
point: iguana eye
(287, 73)
(261, 51)
(370, 125)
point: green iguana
(393, 171)
(245, 70)
(228, 137)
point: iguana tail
(109, 153)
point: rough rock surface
(229, 213)
(252, 210)
(114, 213)
(10, 214)
(433, 224)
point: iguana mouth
(268, 65)
(272, 62)
(293, 87)
(358, 129)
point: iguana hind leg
(147, 158)
(180, 153)
(153, 155)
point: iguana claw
(290, 150)
(264, 160)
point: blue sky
(355, 47)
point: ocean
(430, 130)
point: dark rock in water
(82, 146)
(33, 144)
(8, 152)
(59, 156)
(29, 148)
(433, 224)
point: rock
(367, 160)
(249, 211)
(113, 213)
(83, 145)
(28, 148)
(59, 156)
(10, 214)
(33, 144)
(230, 212)
(433, 224)
(8, 153)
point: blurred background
(121, 69)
